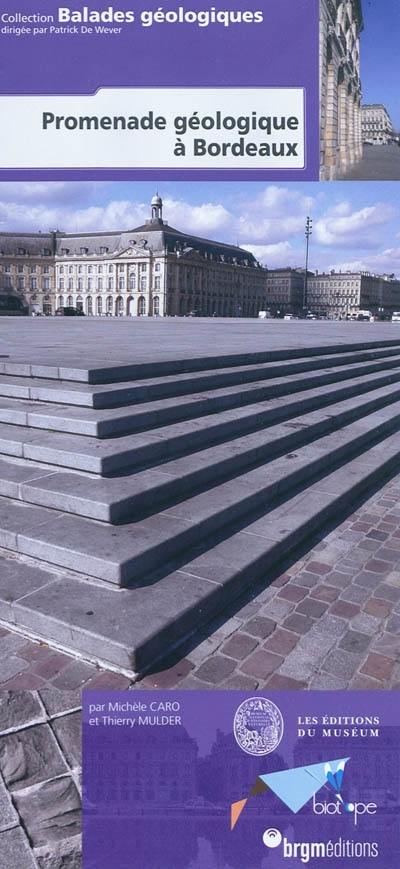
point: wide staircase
(137, 502)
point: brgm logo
(258, 726)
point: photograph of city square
(199, 423)
(360, 106)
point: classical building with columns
(341, 23)
(152, 270)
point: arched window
(60, 302)
(109, 304)
(156, 306)
(130, 306)
(80, 270)
(142, 306)
(70, 269)
(79, 303)
(119, 306)
(90, 270)
(89, 306)
(99, 306)
(70, 302)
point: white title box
(215, 128)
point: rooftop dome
(156, 200)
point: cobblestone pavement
(40, 768)
(330, 621)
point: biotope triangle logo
(295, 787)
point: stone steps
(127, 393)
(119, 372)
(133, 495)
(115, 422)
(131, 628)
(130, 525)
(124, 554)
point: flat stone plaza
(198, 502)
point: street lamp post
(308, 234)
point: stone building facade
(341, 23)
(152, 270)
(27, 270)
(377, 125)
(285, 290)
(344, 294)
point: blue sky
(380, 55)
(356, 224)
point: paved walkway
(379, 163)
(330, 621)
(40, 763)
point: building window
(89, 306)
(70, 284)
(20, 270)
(79, 303)
(80, 270)
(80, 284)
(90, 270)
(143, 283)
(46, 283)
(33, 283)
(121, 283)
(119, 306)
(156, 306)
(104, 250)
(70, 269)
(90, 283)
(157, 267)
(132, 281)
(99, 306)
(100, 270)
(84, 250)
(157, 283)
(109, 304)
(143, 267)
(20, 283)
(33, 269)
(61, 270)
(111, 283)
(21, 251)
(46, 270)
(100, 284)
(61, 284)
(70, 302)
(141, 306)
(110, 267)
(60, 302)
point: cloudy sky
(356, 225)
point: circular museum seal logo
(258, 726)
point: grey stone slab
(16, 518)
(19, 709)
(68, 733)
(51, 812)
(66, 854)
(343, 663)
(127, 628)
(12, 666)
(17, 580)
(15, 850)
(120, 554)
(29, 757)
(58, 702)
(13, 474)
(8, 815)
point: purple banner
(228, 780)
(198, 45)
